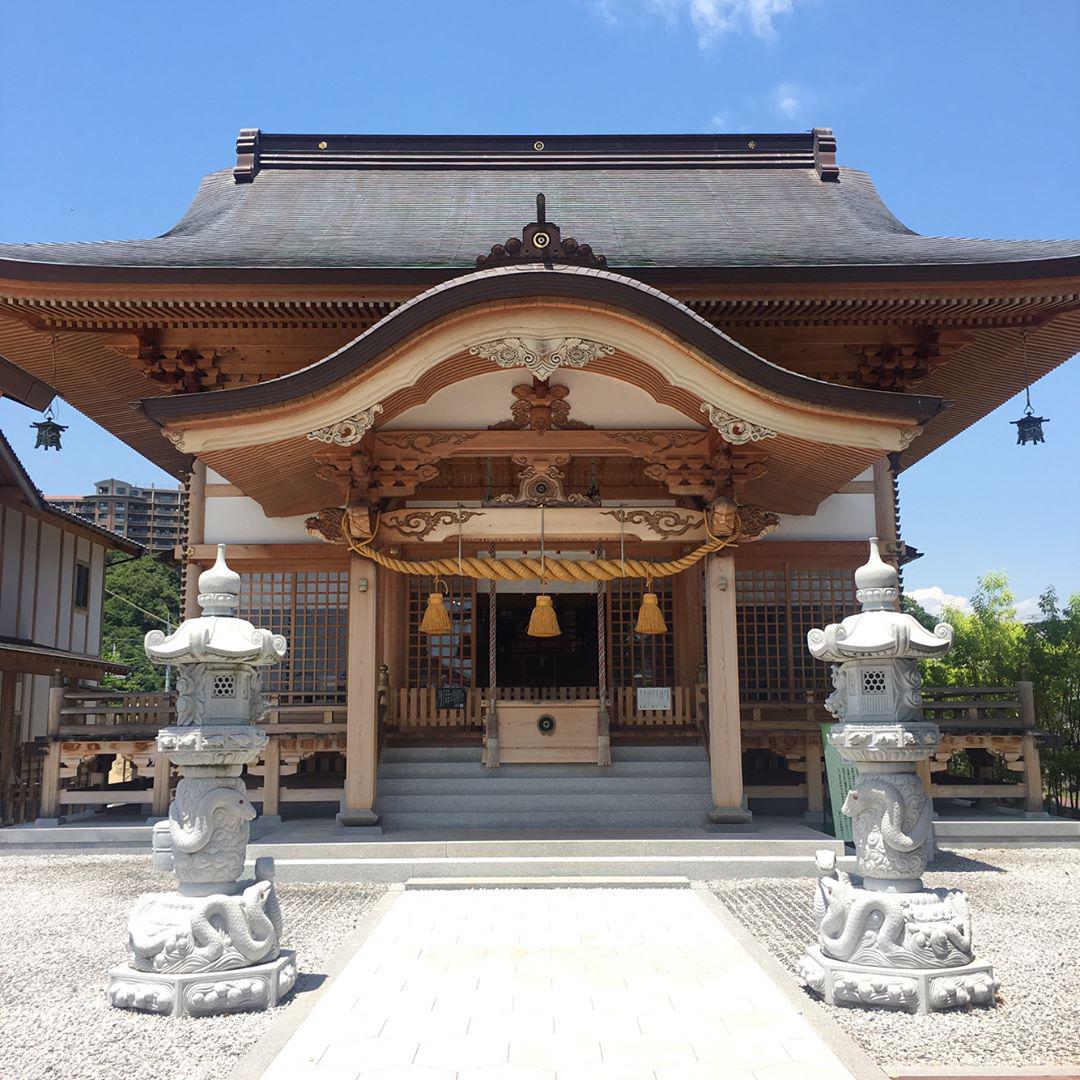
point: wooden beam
(196, 534)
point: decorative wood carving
(734, 430)
(755, 522)
(899, 367)
(540, 407)
(423, 442)
(541, 241)
(352, 475)
(350, 431)
(541, 357)
(417, 524)
(665, 523)
(540, 483)
(327, 525)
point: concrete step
(1006, 831)
(32, 835)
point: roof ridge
(257, 150)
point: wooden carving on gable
(540, 407)
(541, 241)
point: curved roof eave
(533, 283)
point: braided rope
(528, 569)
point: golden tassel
(543, 621)
(650, 619)
(436, 618)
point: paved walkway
(604, 984)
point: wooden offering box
(539, 731)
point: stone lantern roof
(216, 636)
(878, 631)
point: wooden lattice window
(443, 659)
(311, 608)
(639, 659)
(775, 607)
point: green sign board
(840, 778)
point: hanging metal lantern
(48, 432)
(1029, 426)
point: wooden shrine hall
(543, 447)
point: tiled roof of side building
(399, 203)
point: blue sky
(963, 112)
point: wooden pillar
(159, 806)
(10, 738)
(196, 534)
(362, 716)
(1034, 798)
(884, 505)
(50, 772)
(689, 647)
(393, 621)
(271, 799)
(725, 731)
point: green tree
(137, 590)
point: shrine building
(539, 450)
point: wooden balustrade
(85, 725)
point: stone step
(342, 845)
(495, 784)
(695, 868)
(539, 801)
(553, 882)
(473, 769)
(33, 835)
(397, 754)
(1005, 831)
(422, 821)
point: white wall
(235, 519)
(839, 517)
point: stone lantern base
(203, 993)
(917, 990)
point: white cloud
(606, 10)
(935, 599)
(714, 19)
(1028, 610)
(788, 100)
(719, 121)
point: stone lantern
(884, 940)
(213, 945)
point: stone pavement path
(604, 984)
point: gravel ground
(63, 922)
(1026, 916)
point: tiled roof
(639, 205)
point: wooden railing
(89, 725)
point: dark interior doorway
(567, 660)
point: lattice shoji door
(445, 659)
(817, 597)
(639, 659)
(763, 633)
(310, 607)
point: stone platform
(917, 990)
(248, 989)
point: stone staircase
(435, 789)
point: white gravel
(63, 924)
(1026, 916)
